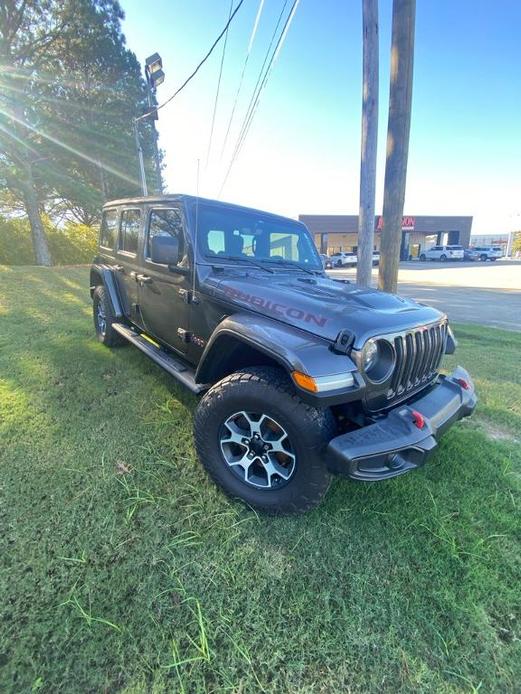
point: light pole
(140, 159)
(154, 76)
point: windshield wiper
(246, 259)
(292, 263)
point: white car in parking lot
(343, 258)
(443, 253)
(349, 258)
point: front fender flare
(293, 349)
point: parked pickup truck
(300, 375)
(443, 253)
(484, 253)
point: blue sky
(302, 154)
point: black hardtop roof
(181, 197)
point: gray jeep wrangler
(301, 375)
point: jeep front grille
(418, 356)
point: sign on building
(407, 224)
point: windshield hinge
(344, 342)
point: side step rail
(175, 367)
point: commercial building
(503, 240)
(334, 233)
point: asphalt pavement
(483, 293)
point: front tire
(104, 318)
(443, 258)
(261, 443)
(423, 258)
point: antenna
(196, 229)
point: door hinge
(187, 296)
(184, 335)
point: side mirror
(164, 250)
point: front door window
(167, 222)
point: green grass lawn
(122, 568)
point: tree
(369, 142)
(516, 242)
(69, 92)
(400, 98)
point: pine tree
(69, 90)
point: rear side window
(108, 229)
(129, 231)
(216, 241)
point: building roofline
(377, 216)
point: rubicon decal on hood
(276, 308)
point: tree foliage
(69, 91)
(69, 244)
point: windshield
(228, 233)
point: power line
(255, 98)
(247, 57)
(271, 64)
(259, 79)
(218, 87)
(199, 66)
(261, 71)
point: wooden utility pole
(369, 142)
(399, 124)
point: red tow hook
(418, 419)
(463, 383)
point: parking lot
(469, 292)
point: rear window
(497, 248)
(108, 229)
(129, 231)
(455, 248)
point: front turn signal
(323, 384)
(304, 381)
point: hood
(319, 304)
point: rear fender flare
(104, 275)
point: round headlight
(370, 355)
(378, 359)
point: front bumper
(396, 444)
